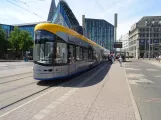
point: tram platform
(102, 93)
(105, 97)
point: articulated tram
(60, 52)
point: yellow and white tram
(60, 52)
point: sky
(129, 11)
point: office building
(100, 31)
(125, 43)
(146, 29)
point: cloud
(37, 12)
(125, 26)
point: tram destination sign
(117, 44)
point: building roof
(98, 20)
(5, 24)
(26, 24)
(141, 22)
(65, 15)
(52, 10)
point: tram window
(78, 53)
(71, 54)
(44, 52)
(81, 53)
(89, 54)
(85, 54)
(94, 57)
(61, 52)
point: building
(52, 10)
(125, 42)
(64, 16)
(100, 31)
(7, 29)
(29, 27)
(146, 29)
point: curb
(135, 107)
(15, 61)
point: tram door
(71, 59)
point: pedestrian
(120, 60)
(159, 58)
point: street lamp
(149, 24)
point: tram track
(5, 91)
(35, 93)
(1, 108)
(14, 75)
(14, 80)
(56, 85)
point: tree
(26, 41)
(2, 41)
(20, 40)
(15, 39)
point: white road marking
(132, 69)
(152, 70)
(49, 108)
(140, 81)
(157, 76)
(136, 110)
(135, 75)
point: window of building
(143, 30)
(140, 29)
(140, 35)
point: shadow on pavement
(128, 61)
(76, 80)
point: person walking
(159, 58)
(120, 60)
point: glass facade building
(28, 28)
(7, 29)
(52, 10)
(100, 31)
(64, 16)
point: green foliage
(20, 40)
(15, 39)
(2, 41)
(26, 41)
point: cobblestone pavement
(103, 95)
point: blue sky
(129, 11)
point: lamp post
(149, 24)
(149, 43)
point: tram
(60, 52)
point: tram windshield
(43, 50)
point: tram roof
(54, 28)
